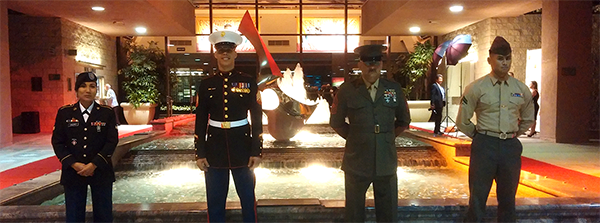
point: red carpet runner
(592, 183)
(28, 171)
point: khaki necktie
(373, 92)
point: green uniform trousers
(493, 159)
(385, 189)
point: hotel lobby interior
(45, 44)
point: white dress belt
(227, 125)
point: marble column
(566, 71)
(5, 99)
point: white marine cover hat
(225, 36)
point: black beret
(370, 53)
(85, 77)
(500, 46)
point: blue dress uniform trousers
(217, 186)
(493, 159)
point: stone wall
(38, 49)
(94, 46)
(522, 32)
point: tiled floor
(29, 148)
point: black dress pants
(75, 202)
(437, 118)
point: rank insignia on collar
(390, 95)
(517, 95)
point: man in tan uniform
(499, 101)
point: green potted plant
(145, 66)
(416, 67)
(410, 71)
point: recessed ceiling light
(456, 8)
(414, 29)
(140, 30)
(98, 8)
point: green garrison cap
(500, 46)
(370, 53)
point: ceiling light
(140, 30)
(98, 8)
(456, 8)
(414, 29)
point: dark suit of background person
(85, 148)
(504, 111)
(438, 101)
(375, 119)
(224, 140)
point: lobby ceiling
(176, 17)
(120, 17)
(385, 17)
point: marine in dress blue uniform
(377, 112)
(224, 140)
(84, 140)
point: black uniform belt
(376, 128)
(500, 135)
(227, 125)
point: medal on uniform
(98, 125)
(389, 95)
(74, 141)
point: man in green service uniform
(377, 113)
(500, 101)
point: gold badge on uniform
(240, 87)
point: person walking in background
(499, 100)
(84, 138)
(112, 101)
(377, 112)
(438, 101)
(224, 140)
(536, 107)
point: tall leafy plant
(416, 66)
(145, 65)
